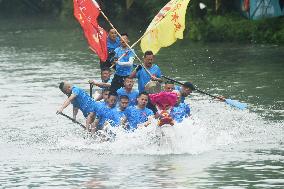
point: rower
(105, 81)
(169, 86)
(122, 106)
(185, 90)
(181, 110)
(129, 91)
(139, 114)
(80, 100)
(108, 112)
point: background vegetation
(220, 21)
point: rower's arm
(150, 119)
(66, 103)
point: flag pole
(96, 4)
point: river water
(218, 147)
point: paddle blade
(236, 104)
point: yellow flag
(166, 27)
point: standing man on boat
(143, 76)
(113, 42)
(124, 63)
(80, 100)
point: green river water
(218, 147)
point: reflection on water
(218, 147)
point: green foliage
(236, 28)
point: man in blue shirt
(143, 76)
(123, 104)
(113, 42)
(185, 90)
(139, 114)
(80, 100)
(106, 81)
(129, 91)
(108, 112)
(180, 110)
(124, 63)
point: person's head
(65, 87)
(128, 83)
(123, 102)
(169, 86)
(124, 40)
(105, 94)
(148, 59)
(111, 100)
(112, 34)
(142, 100)
(186, 89)
(105, 74)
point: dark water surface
(218, 147)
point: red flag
(87, 12)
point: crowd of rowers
(119, 104)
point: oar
(91, 90)
(75, 121)
(231, 102)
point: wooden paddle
(74, 121)
(231, 102)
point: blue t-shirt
(136, 116)
(178, 113)
(182, 98)
(112, 45)
(123, 70)
(121, 113)
(133, 95)
(144, 77)
(111, 115)
(84, 102)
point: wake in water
(213, 126)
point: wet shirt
(111, 115)
(83, 101)
(133, 95)
(178, 113)
(127, 53)
(144, 77)
(112, 45)
(137, 116)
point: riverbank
(234, 28)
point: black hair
(124, 34)
(61, 85)
(143, 93)
(108, 30)
(112, 93)
(189, 85)
(148, 53)
(105, 69)
(123, 97)
(106, 89)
